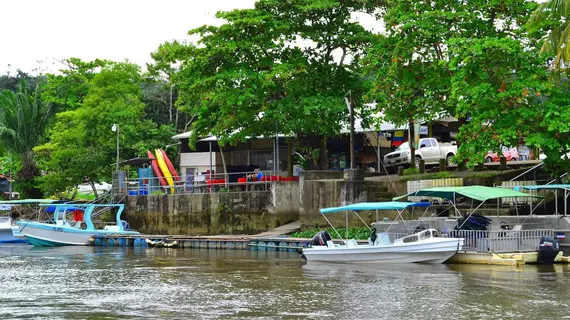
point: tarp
(369, 206)
(480, 193)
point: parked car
(511, 154)
(430, 150)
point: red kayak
(156, 169)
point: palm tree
(553, 16)
(23, 121)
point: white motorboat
(426, 246)
(7, 230)
(62, 233)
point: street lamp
(115, 128)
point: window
(412, 238)
(424, 235)
(433, 142)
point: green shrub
(410, 171)
(353, 233)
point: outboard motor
(548, 250)
(320, 239)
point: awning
(546, 187)
(28, 201)
(480, 193)
(369, 206)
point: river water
(135, 283)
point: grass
(353, 233)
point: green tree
(550, 23)
(409, 69)
(82, 145)
(282, 63)
(23, 121)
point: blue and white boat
(62, 233)
(7, 230)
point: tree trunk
(463, 164)
(323, 157)
(94, 189)
(225, 168)
(170, 104)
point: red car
(510, 153)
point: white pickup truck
(430, 150)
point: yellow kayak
(164, 168)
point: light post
(115, 128)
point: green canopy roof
(480, 193)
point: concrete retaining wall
(215, 213)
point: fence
(501, 240)
(206, 183)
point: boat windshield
(412, 238)
(434, 233)
(425, 234)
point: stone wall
(215, 213)
(320, 191)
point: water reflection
(99, 282)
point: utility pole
(349, 104)
(114, 128)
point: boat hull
(49, 235)
(7, 236)
(432, 252)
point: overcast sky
(40, 30)
(36, 34)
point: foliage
(550, 23)
(23, 121)
(82, 145)
(410, 171)
(497, 83)
(246, 76)
(353, 233)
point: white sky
(47, 31)
(38, 33)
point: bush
(410, 171)
(353, 233)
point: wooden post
(503, 165)
(400, 171)
(442, 166)
(422, 166)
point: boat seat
(77, 225)
(351, 243)
(112, 228)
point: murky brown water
(108, 283)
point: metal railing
(501, 240)
(206, 183)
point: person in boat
(255, 176)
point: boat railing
(501, 240)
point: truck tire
(448, 159)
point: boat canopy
(545, 187)
(369, 206)
(28, 201)
(480, 193)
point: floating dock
(203, 242)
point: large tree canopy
(285, 63)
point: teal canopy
(480, 193)
(369, 206)
(546, 187)
(27, 201)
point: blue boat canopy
(369, 206)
